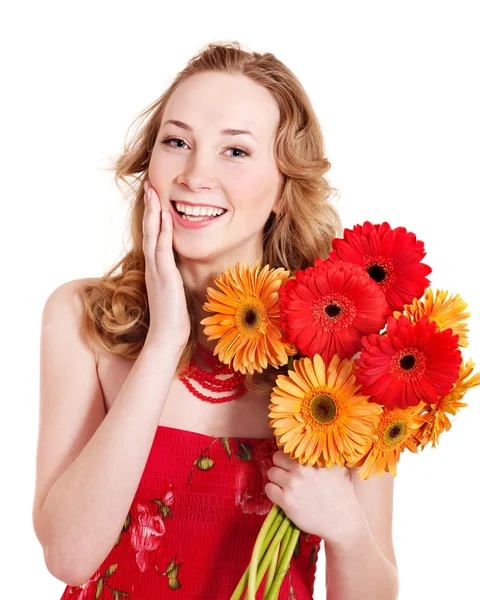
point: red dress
(193, 522)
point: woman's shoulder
(68, 296)
(66, 302)
(69, 291)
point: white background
(395, 87)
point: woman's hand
(318, 500)
(167, 304)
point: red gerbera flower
(390, 256)
(327, 309)
(411, 363)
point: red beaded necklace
(211, 381)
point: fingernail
(146, 186)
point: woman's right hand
(169, 319)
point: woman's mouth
(189, 220)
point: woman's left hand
(318, 500)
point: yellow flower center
(393, 430)
(323, 408)
(395, 433)
(251, 317)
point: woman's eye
(245, 152)
(172, 140)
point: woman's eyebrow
(228, 131)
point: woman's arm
(89, 464)
(358, 570)
(363, 565)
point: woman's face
(201, 165)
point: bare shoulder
(71, 404)
(65, 302)
(67, 295)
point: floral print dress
(193, 522)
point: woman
(150, 484)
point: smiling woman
(146, 486)
(202, 168)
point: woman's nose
(198, 173)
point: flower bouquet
(373, 358)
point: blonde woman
(152, 483)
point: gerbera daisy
(248, 318)
(395, 431)
(327, 309)
(447, 312)
(391, 257)
(436, 416)
(318, 415)
(411, 363)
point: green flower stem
(285, 542)
(277, 557)
(283, 565)
(257, 549)
(237, 594)
(267, 559)
(271, 571)
(252, 575)
(271, 532)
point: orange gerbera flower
(247, 320)
(436, 416)
(447, 312)
(396, 431)
(317, 414)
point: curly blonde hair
(117, 316)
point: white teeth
(204, 211)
